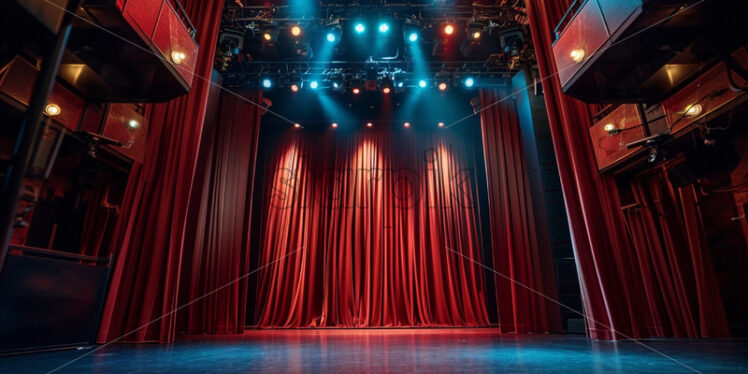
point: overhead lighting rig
(485, 43)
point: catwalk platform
(394, 351)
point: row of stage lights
(411, 31)
(335, 125)
(468, 82)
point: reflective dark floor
(395, 351)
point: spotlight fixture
(469, 82)
(295, 30)
(133, 124)
(411, 28)
(386, 83)
(230, 43)
(653, 155)
(337, 82)
(694, 110)
(442, 86)
(577, 55)
(400, 84)
(297, 125)
(406, 124)
(449, 29)
(269, 32)
(512, 42)
(441, 124)
(356, 90)
(334, 125)
(422, 83)
(609, 127)
(178, 57)
(474, 30)
(334, 32)
(369, 124)
(267, 83)
(314, 85)
(52, 109)
(359, 28)
(294, 88)
(384, 27)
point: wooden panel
(585, 33)
(707, 93)
(143, 14)
(172, 36)
(18, 83)
(18, 80)
(118, 127)
(611, 149)
(71, 106)
(92, 117)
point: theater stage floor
(395, 350)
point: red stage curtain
(612, 281)
(216, 250)
(516, 251)
(674, 259)
(361, 226)
(149, 234)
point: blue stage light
(400, 84)
(267, 83)
(422, 83)
(384, 27)
(331, 37)
(335, 85)
(360, 28)
(313, 85)
(469, 82)
(413, 37)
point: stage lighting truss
(368, 76)
(487, 43)
(420, 21)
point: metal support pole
(31, 132)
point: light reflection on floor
(395, 351)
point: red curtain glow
(358, 230)
(517, 253)
(150, 231)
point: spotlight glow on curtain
(361, 226)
